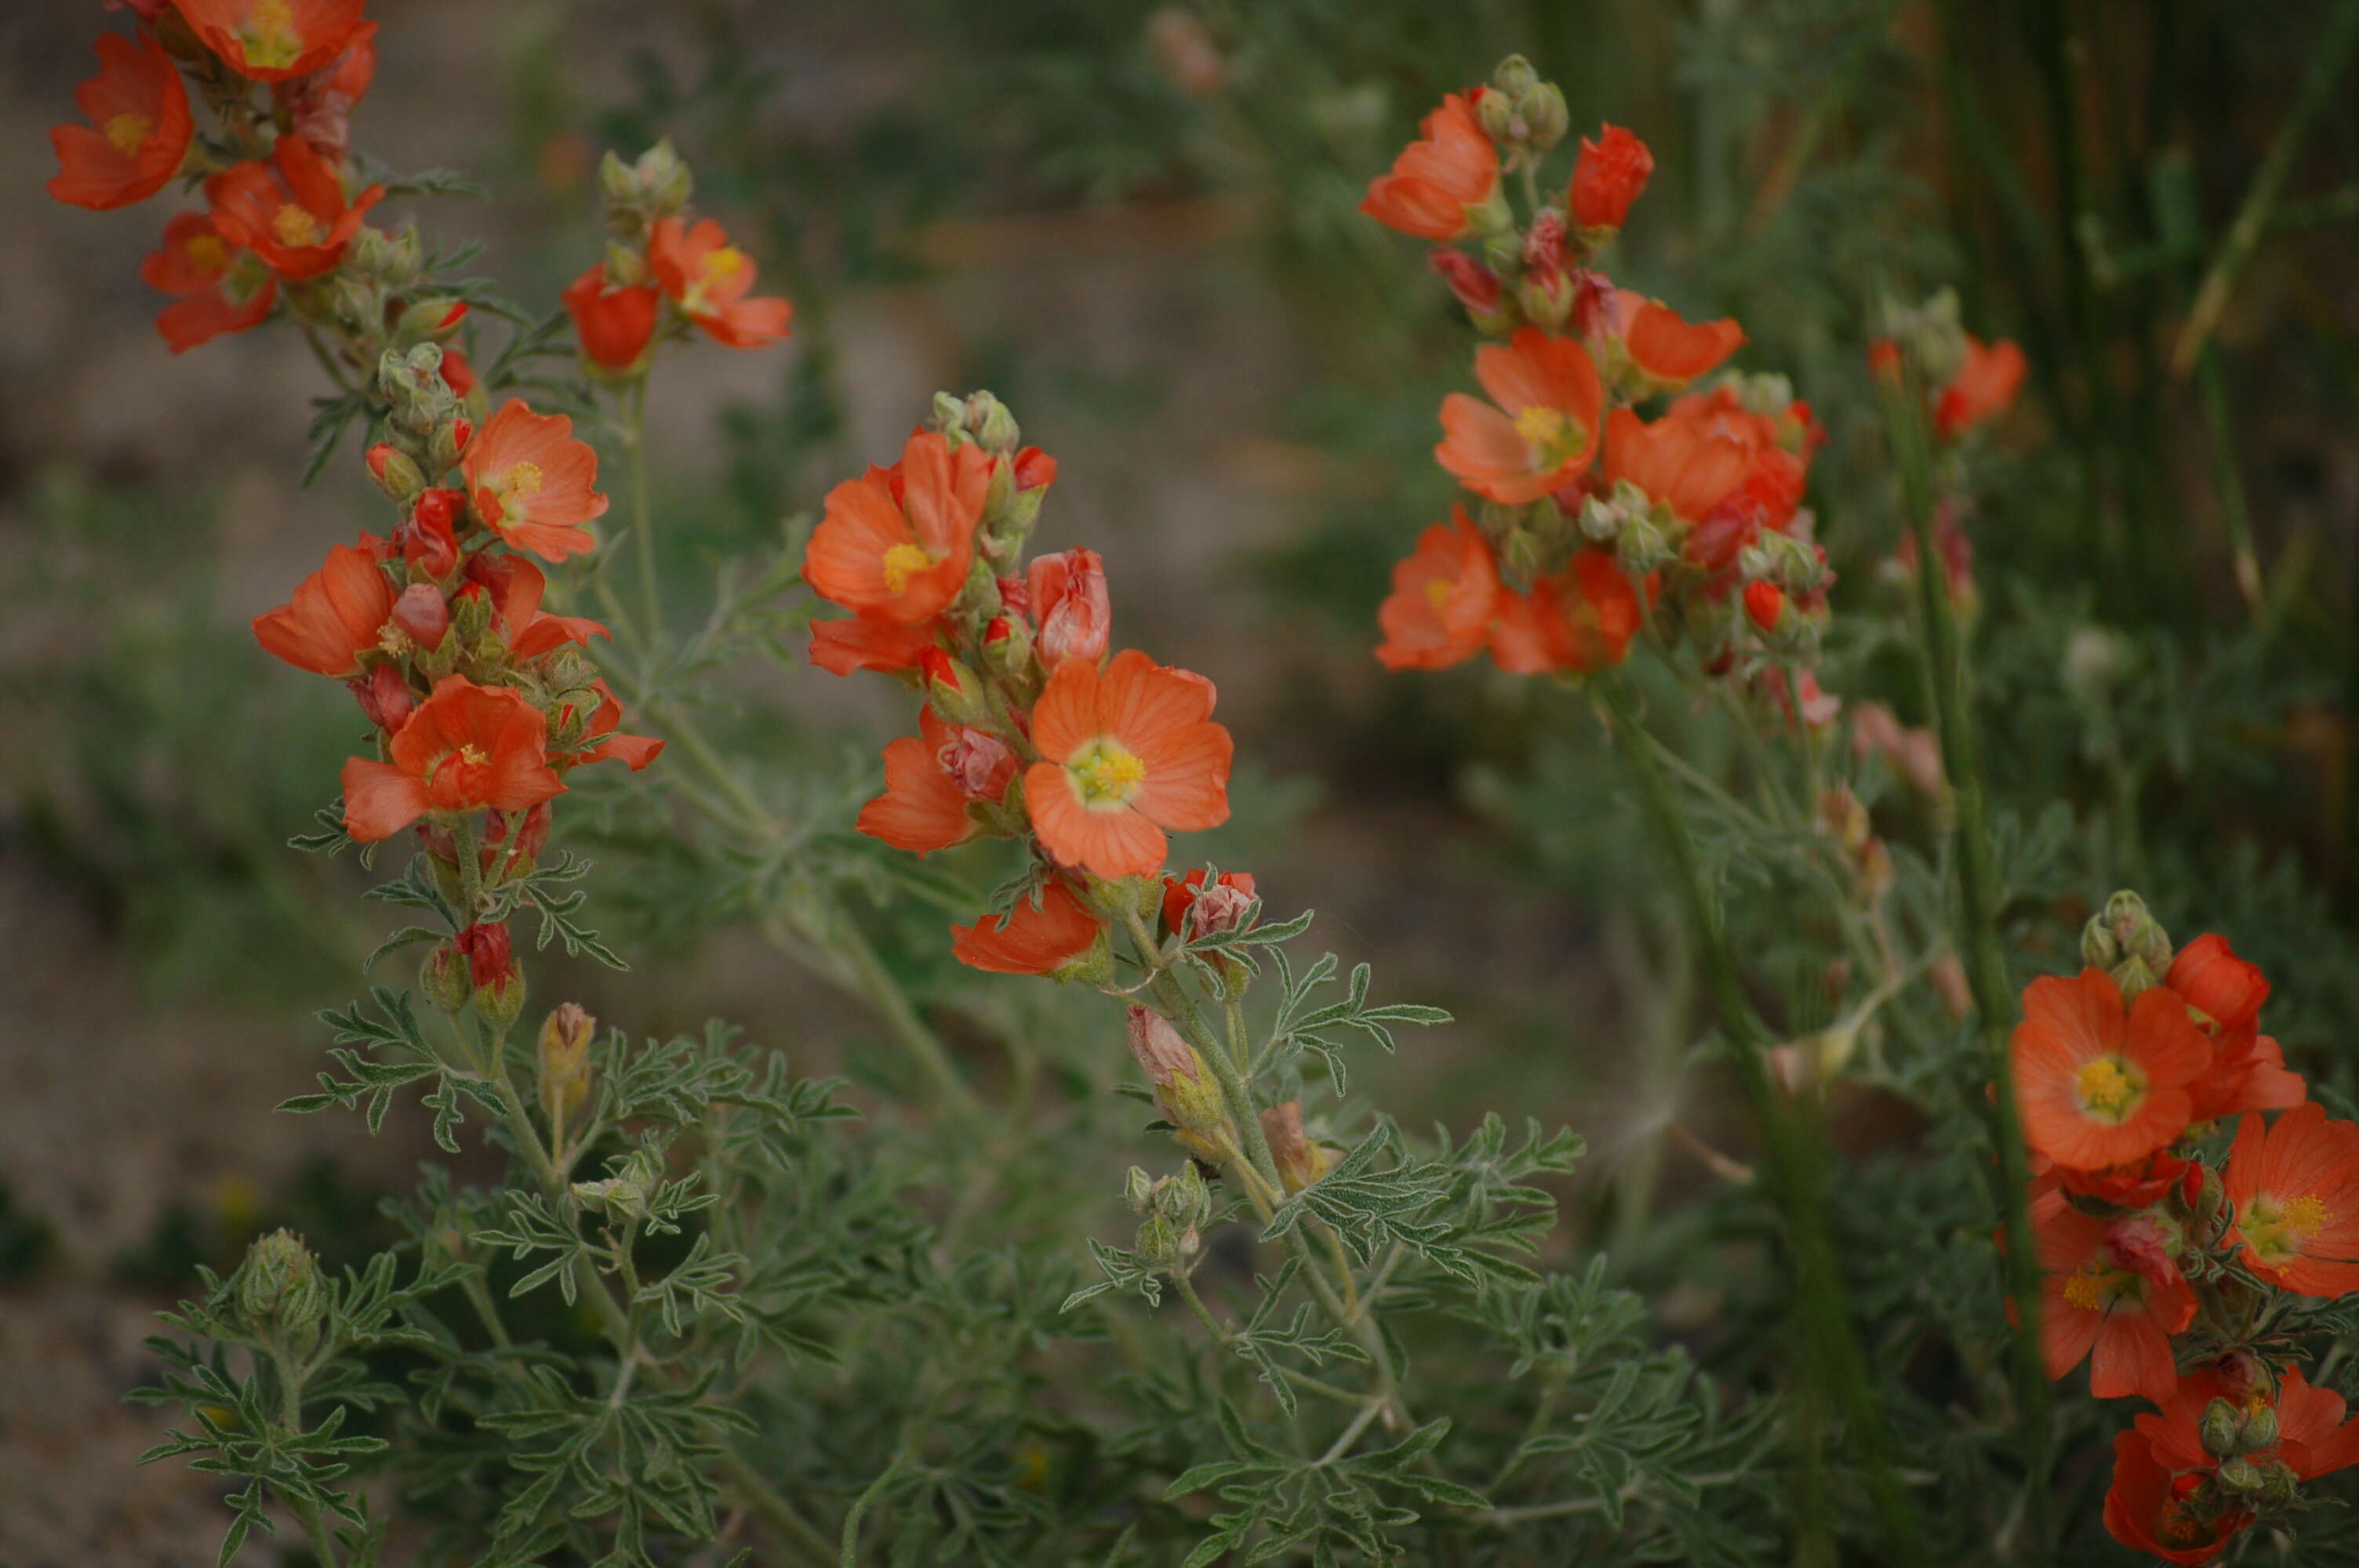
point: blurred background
(1135, 222)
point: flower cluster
(482, 700)
(1029, 730)
(1588, 518)
(2176, 1269)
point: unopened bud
(471, 612)
(1541, 108)
(1642, 547)
(443, 976)
(2098, 948)
(1513, 75)
(2261, 1429)
(2239, 1477)
(996, 430)
(623, 1194)
(1069, 595)
(1185, 1090)
(396, 472)
(2279, 1482)
(1495, 112)
(2137, 933)
(2221, 1430)
(952, 690)
(1300, 1161)
(450, 443)
(422, 613)
(1137, 1188)
(1008, 647)
(565, 1036)
(279, 1292)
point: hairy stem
(1795, 1162)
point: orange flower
(1543, 432)
(1688, 464)
(1439, 611)
(1057, 937)
(336, 614)
(1582, 619)
(1608, 176)
(635, 751)
(2147, 1510)
(466, 747)
(138, 133)
(290, 211)
(273, 40)
(709, 277)
(531, 481)
(2099, 1087)
(224, 287)
(615, 323)
(2111, 1296)
(2248, 1072)
(1446, 185)
(1667, 350)
(1983, 386)
(895, 544)
(1129, 753)
(929, 778)
(515, 587)
(868, 642)
(2217, 983)
(2295, 1190)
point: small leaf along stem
(1979, 902)
(292, 1376)
(1794, 1154)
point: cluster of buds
(279, 1293)
(1589, 523)
(2171, 1267)
(1173, 1212)
(662, 274)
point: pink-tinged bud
(511, 842)
(395, 473)
(1474, 285)
(978, 765)
(1948, 978)
(423, 613)
(1185, 1091)
(1549, 290)
(491, 971)
(1300, 1161)
(2146, 1242)
(1596, 304)
(1611, 173)
(1915, 755)
(1034, 470)
(384, 695)
(952, 689)
(1008, 647)
(1069, 594)
(1014, 597)
(1191, 910)
(564, 1042)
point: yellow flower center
(295, 226)
(128, 132)
(2093, 1287)
(715, 272)
(2109, 1088)
(1436, 593)
(1107, 774)
(207, 254)
(903, 562)
(1554, 435)
(2278, 1230)
(270, 38)
(724, 264)
(474, 755)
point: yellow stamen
(270, 38)
(2108, 1090)
(474, 755)
(1107, 774)
(128, 132)
(1554, 435)
(903, 562)
(1436, 593)
(724, 264)
(2278, 1228)
(2086, 1288)
(206, 254)
(295, 226)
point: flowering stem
(1797, 1179)
(634, 437)
(290, 1397)
(1978, 937)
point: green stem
(1979, 902)
(1796, 1174)
(2328, 56)
(290, 1398)
(635, 434)
(1227, 1341)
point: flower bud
(2261, 1429)
(565, 1036)
(395, 473)
(1185, 1090)
(2137, 934)
(1137, 1188)
(383, 695)
(952, 690)
(2239, 1477)
(2279, 1482)
(449, 443)
(1008, 647)
(2221, 1430)
(1476, 287)
(279, 1292)
(1512, 76)
(422, 614)
(1541, 108)
(1300, 1161)
(443, 976)
(1643, 546)
(491, 971)
(623, 1194)
(1069, 595)
(471, 612)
